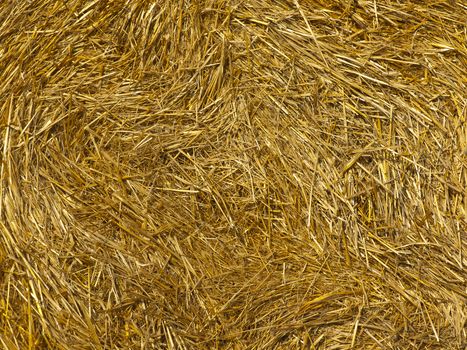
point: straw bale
(228, 174)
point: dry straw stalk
(230, 174)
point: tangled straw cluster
(274, 174)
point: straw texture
(228, 174)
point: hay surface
(233, 174)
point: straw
(233, 174)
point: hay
(233, 174)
